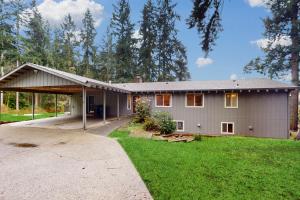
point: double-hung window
(231, 100)
(194, 100)
(163, 100)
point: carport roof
(79, 80)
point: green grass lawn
(17, 118)
(216, 167)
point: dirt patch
(24, 145)
(61, 143)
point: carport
(87, 94)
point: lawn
(216, 167)
(17, 118)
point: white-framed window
(231, 100)
(179, 125)
(163, 100)
(227, 127)
(128, 101)
(194, 100)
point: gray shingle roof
(243, 84)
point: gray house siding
(266, 112)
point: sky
(237, 44)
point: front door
(91, 104)
(134, 100)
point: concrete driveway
(65, 165)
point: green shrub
(142, 109)
(151, 124)
(198, 137)
(165, 122)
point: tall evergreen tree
(148, 31)
(122, 29)
(57, 59)
(106, 59)
(166, 40)
(181, 70)
(283, 23)
(88, 34)
(36, 40)
(70, 43)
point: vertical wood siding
(266, 112)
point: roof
(243, 84)
(88, 82)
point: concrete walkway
(65, 165)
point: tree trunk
(294, 65)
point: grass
(16, 118)
(216, 168)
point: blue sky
(242, 23)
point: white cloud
(279, 41)
(55, 11)
(257, 3)
(138, 36)
(201, 62)
(233, 77)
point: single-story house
(251, 107)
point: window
(231, 100)
(163, 100)
(227, 127)
(179, 125)
(128, 102)
(194, 100)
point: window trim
(237, 100)
(129, 105)
(182, 125)
(227, 133)
(171, 101)
(194, 100)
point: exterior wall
(41, 79)
(111, 103)
(266, 112)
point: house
(251, 107)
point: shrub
(151, 124)
(142, 109)
(198, 137)
(165, 122)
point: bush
(198, 138)
(151, 124)
(142, 110)
(165, 122)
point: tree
(69, 44)
(36, 40)
(148, 32)
(88, 34)
(106, 59)
(122, 30)
(282, 24)
(182, 73)
(167, 41)
(206, 18)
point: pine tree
(88, 34)
(166, 40)
(283, 23)
(122, 29)
(70, 44)
(57, 59)
(106, 59)
(181, 70)
(36, 40)
(148, 31)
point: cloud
(201, 62)
(233, 77)
(257, 3)
(55, 11)
(279, 41)
(136, 35)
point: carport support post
(33, 105)
(104, 106)
(84, 107)
(118, 106)
(55, 105)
